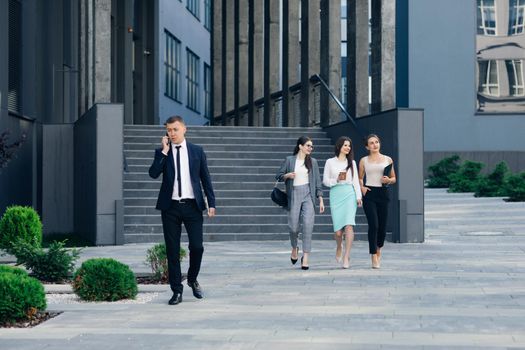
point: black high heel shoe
(294, 261)
(302, 266)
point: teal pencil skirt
(343, 205)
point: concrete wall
(190, 30)
(442, 81)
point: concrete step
(235, 228)
(227, 210)
(215, 237)
(241, 153)
(253, 219)
(272, 164)
(287, 142)
(225, 147)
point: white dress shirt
(187, 188)
(333, 167)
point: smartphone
(342, 175)
(169, 141)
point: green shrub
(20, 297)
(157, 258)
(55, 264)
(11, 269)
(493, 185)
(104, 279)
(439, 173)
(20, 224)
(467, 177)
(515, 187)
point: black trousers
(188, 213)
(375, 204)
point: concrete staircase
(242, 162)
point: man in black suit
(183, 167)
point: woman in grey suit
(300, 172)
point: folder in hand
(386, 172)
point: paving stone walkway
(464, 288)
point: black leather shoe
(175, 299)
(197, 291)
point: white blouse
(333, 167)
(301, 173)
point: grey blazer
(314, 178)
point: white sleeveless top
(374, 171)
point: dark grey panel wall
(401, 133)
(57, 178)
(98, 172)
(85, 186)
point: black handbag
(279, 197)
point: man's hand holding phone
(165, 144)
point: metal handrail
(351, 119)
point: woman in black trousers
(378, 169)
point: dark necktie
(179, 183)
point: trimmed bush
(55, 264)
(20, 297)
(11, 269)
(467, 177)
(20, 224)
(493, 185)
(104, 279)
(439, 173)
(515, 187)
(157, 258)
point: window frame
(172, 65)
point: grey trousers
(301, 209)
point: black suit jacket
(198, 172)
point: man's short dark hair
(173, 119)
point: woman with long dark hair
(378, 169)
(300, 172)
(340, 174)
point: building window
(516, 77)
(193, 7)
(486, 17)
(207, 14)
(172, 65)
(488, 78)
(192, 77)
(207, 91)
(516, 16)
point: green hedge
(467, 178)
(11, 269)
(20, 224)
(104, 279)
(439, 173)
(20, 297)
(55, 264)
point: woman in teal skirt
(340, 174)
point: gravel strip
(53, 299)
